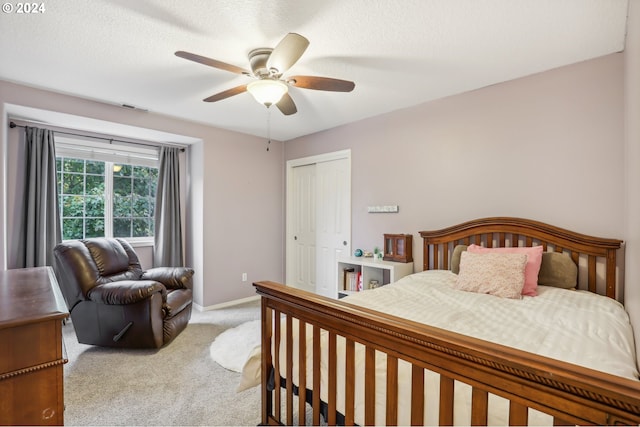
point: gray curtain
(168, 231)
(40, 226)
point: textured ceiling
(399, 53)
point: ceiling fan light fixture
(268, 65)
(267, 91)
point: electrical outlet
(244, 277)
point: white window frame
(110, 152)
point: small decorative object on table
(377, 254)
(357, 252)
(398, 247)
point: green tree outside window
(82, 189)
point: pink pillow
(534, 260)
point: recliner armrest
(126, 292)
(171, 277)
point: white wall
(548, 147)
(242, 215)
(195, 218)
(632, 167)
(235, 193)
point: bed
(365, 361)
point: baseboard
(226, 304)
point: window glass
(102, 198)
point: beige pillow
(499, 274)
(455, 258)
(559, 270)
(251, 371)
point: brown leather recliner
(113, 302)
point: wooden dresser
(31, 350)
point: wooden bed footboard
(570, 393)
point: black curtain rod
(13, 124)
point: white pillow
(499, 274)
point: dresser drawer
(34, 398)
(30, 345)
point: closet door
(302, 226)
(318, 220)
(333, 225)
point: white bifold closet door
(318, 224)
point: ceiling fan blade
(321, 83)
(287, 52)
(226, 94)
(286, 105)
(211, 62)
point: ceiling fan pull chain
(268, 128)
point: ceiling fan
(267, 66)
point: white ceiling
(399, 53)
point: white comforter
(575, 326)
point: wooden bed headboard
(595, 257)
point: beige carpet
(176, 385)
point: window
(106, 191)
